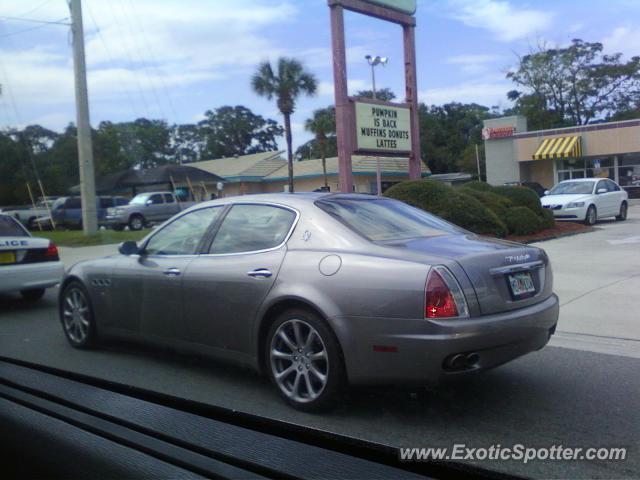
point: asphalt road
(554, 396)
(586, 395)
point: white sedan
(28, 265)
(587, 200)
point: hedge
(548, 221)
(494, 202)
(522, 221)
(478, 185)
(521, 197)
(454, 206)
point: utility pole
(85, 148)
(478, 163)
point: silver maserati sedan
(319, 291)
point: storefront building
(605, 150)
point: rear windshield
(10, 228)
(381, 219)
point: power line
(153, 59)
(131, 62)
(28, 12)
(34, 20)
(111, 60)
(145, 70)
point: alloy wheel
(76, 315)
(299, 361)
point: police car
(28, 265)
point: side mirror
(601, 190)
(546, 192)
(129, 248)
(148, 202)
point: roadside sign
(404, 6)
(382, 127)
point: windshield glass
(572, 188)
(139, 199)
(10, 228)
(382, 219)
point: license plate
(7, 257)
(521, 284)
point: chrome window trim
(223, 205)
(280, 245)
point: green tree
(323, 125)
(384, 94)
(449, 132)
(187, 142)
(286, 84)
(311, 149)
(575, 85)
(230, 131)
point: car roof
(290, 199)
(584, 180)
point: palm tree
(286, 85)
(322, 125)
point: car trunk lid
(504, 275)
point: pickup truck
(144, 209)
(27, 215)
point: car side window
(184, 234)
(248, 228)
(73, 203)
(612, 187)
(168, 198)
(601, 184)
(155, 199)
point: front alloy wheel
(77, 315)
(303, 361)
(591, 217)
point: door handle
(260, 273)
(172, 272)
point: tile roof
(233, 168)
(270, 166)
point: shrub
(521, 197)
(428, 195)
(452, 205)
(522, 221)
(478, 185)
(469, 213)
(496, 203)
(548, 221)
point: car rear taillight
(52, 253)
(443, 296)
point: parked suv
(143, 209)
(67, 211)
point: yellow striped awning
(559, 147)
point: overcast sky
(175, 59)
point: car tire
(591, 217)
(32, 294)
(312, 358)
(622, 216)
(136, 222)
(76, 315)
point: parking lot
(580, 391)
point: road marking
(625, 241)
(621, 347)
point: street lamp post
(373, 62)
